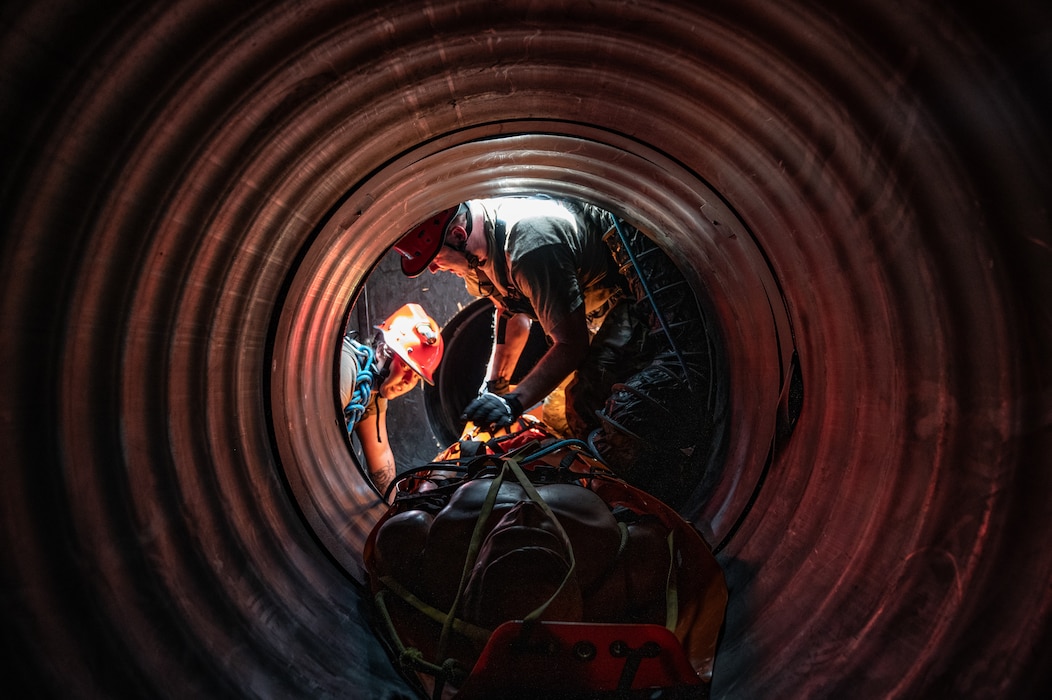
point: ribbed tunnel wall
(193, 191)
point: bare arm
(372, 434)
(509, 338)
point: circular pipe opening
(620, 175)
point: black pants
(619, 349)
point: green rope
(528, 487)
(469, 560)
(465, 629)
(671, 589)
(410, 658)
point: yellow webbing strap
(448, 619)
(512, 465)
(671, 590)
(466, 629)
(528, 487)
(469, 560)
(411, 659)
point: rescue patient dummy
(543, 546)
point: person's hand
(491, 411)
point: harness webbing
(469, 560)
(671, 587)
(501, 289)
(452, 670)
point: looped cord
(363, 383)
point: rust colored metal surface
(193, 192)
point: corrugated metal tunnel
(194, 192)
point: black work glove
(491, 411)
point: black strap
(514, 302)
(500, 260)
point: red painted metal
(568, 659)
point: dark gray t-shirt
(556, 257)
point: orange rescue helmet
(420, 246)
(415, 337)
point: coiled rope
(364, 358)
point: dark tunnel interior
(194, 194)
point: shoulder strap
(503, 290)
(500, 262)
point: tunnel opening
(674, 310)
(684, 218)
(639, 414)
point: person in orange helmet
(408, 346)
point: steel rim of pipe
(195, 192)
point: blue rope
(363, 384)
(559, 445)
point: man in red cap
(538, 259)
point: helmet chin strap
(381, 371)
(383, 362)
